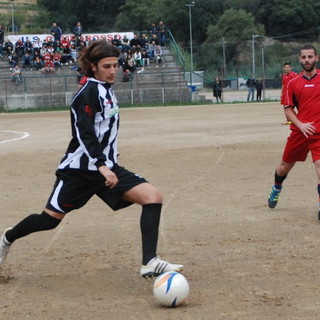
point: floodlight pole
(224, 58)
(253, 56)
(192, 4)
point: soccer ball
(171, 289)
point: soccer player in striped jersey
(90, 167)
(302, 108)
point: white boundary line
(186, 185)
(24, 135)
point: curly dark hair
(92, 54)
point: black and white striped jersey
(94, 123)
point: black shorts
(73, 189)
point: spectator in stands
(129, 63)
(13, 60)
(162, 30)
(43, 50)
(50, 50)
(49, 43)
(66, 57)
(37, 61)
(1, 40)
(78, 31)
(8, 47)
(81, 46)
(125, 43)
(16, 75)
(37, 45)
(47, 56)
(56, 60)
(56, 32)
(135, 42)
(48, 66)
(152, 48)
(155, 39)
(19, 48)
(28, 47)
(126, 74)
(65, 42)
(143, 41)
(74, 52)
(27, 61)
(158, 56)
(137, 57)
(116, 42)
(145, 58)
(153, 31)
(122, 58)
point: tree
(236, 28)
(281, 17)
(234, 25)
(94, 15)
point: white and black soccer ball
(171, 289)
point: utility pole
(224, 58)
(12, 16)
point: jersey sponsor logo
(112, 112)
(309, 85)
(68, 205)
(88, 111)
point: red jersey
(47, 56)
(65, 43)
(286, 77)
(56, 57)
(48, 64)
(304, 94)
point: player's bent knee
(154, 195)
(47, 222)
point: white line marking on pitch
(24, 135)
(166, 205)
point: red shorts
(298, 146)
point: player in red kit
(303, 110)
(286, 77)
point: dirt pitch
(214, 165)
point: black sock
(149, 225)
(278, 180)
(32, 223)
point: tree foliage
(278, 17)
(282, 17)
(94, 15)
(234, 25)
(235, 21)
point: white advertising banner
(87, 37)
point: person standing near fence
(302, 105)
(259, 87)
(287, 75)
(251, 85)
(90, 165)
(217, 89)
